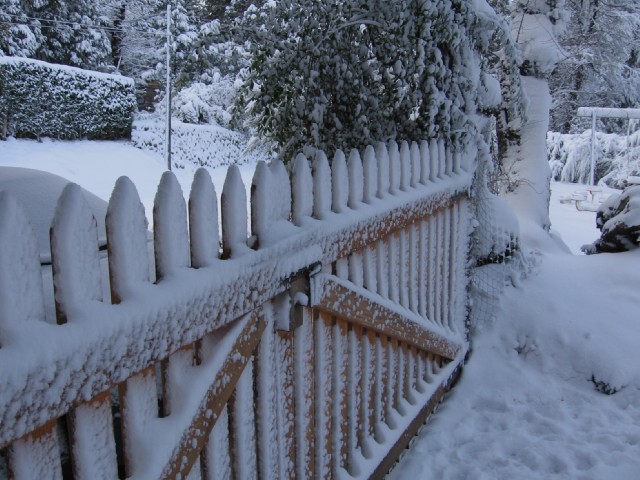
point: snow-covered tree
(19, 36)
(601, 66)
(338, 74)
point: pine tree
(19, 36)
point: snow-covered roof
(38, 192)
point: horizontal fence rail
(309, 339)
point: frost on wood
(394, 168)
(126, 226)
(171, 237)
(203, 220)
(21, 297)
(370, 173)
(74, 251)
(415, 164)
(405, 166)
(382, 156)
(270, 203)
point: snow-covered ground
(526, 406)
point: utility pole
(168, 91)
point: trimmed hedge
(39, 99)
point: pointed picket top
(301, 190)
(370, 173)
(261, 207)
(382, 155)
(126, 226)
(203, 220)
(171, 235)
(405, 166)
(394, 168)
(425, 162)
(339, 182)
(21, 295)
(322, 195)
(234, 214)
(416, 164)
(74, 252)
(434, 157)
(355, 179)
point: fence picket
(203, 220)
(394, 168)
(405, 166)
(356, 179)
(36, 455)
(434, 160)
(322, 192)
(126, 227)
(217, 456)
(416, 173)
(370, 174)
(324, 396)
(442, 159)
(243, 426)
(339, 183)
(425, 162)
(382, 156)
(340, 396)
(234, 215)
(302, 189)
(171, 235)
(21, 292)
(74, 253)
(355, 419)
(305, 394)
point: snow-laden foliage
(40, 99)
(69, 32)
(618, 219)
(617, 157)
(337, 74)
(601, 62)
(200, 145)
(202, 103)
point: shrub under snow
(39, 99)
(616, 157)
(618, 219)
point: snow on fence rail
(313, 347)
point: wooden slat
(324, 395)
(36, 455)
(340, 400)
(267, 403)
(354, 387)
(192, 440)
(286, 404)
(400, 376)
(305, 394)
(370, 404)
(382, 382)
(345, 300)
(216, 458)
(243, 427)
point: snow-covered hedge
(616, 157)
(39, 99)
(199, 145)
(618, 219)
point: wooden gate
(313, 346)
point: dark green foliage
(38, 99)
(339, 74)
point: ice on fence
(370, 173)
(234, 214)
(382, 155)
(339, 182)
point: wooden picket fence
(313, 346)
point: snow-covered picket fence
(313, 346)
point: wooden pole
(168, 90)
(593, 149)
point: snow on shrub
(199, 145)
(618, 219)
(39, 99)
(617, 157)
(202, 103)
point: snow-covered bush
(202, 103)
(339, 74)
(195, 145)
(617, 157)
(618, 219)
(39, 99)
